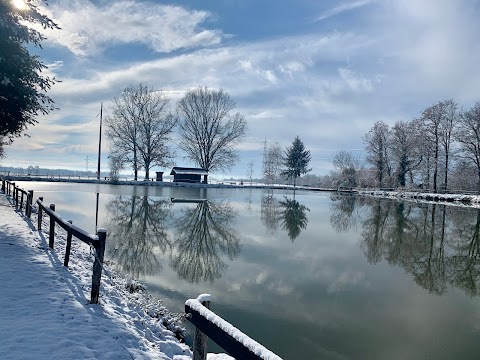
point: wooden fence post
(21, 203)
(51, 239)
(200, 340)
(97, 265)
(69, 246)
(28, 210)
(3, 185)
(39, 215)
(15, 193)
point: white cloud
(357, 82)
(343, 8)
(87, 28)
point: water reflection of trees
(439, 245)
(138, 233)
(343, 216)
(287, 213)
(293, 217)
(270, 212)
(202, 234)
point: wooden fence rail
(18, 195)
(210, 325)
(97, 241)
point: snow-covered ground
(469, 200)
(44, 309)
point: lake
(308, 275)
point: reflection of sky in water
(317, 295)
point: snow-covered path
(44, 310)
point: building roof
(176, 170)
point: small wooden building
(191, 175)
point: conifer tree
(296, 160)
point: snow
(469, 200)
(44, 307)
(248, 342)
(204, 297)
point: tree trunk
(147, 173)
(446, 170)
(435, 171)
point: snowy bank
(44, 307)
(454, 199)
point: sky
(323, 70)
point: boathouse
(190, 175)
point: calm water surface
(310, 275)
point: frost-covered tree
(296, 160)
(250, 171)
(22, 86)
(345, 172)
(377, 140)
(209, 130)
(468, 135)
(272, 162)
(404, 144)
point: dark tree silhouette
(417, 238)
(296, 160)
(208, 129)
(22, 85)
(293, 217)
(202, 234)
(138, 233)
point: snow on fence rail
(97, 241)
(210, 325)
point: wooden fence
(97, 241)
(210, 325)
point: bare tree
(377, 148)
(432, 118)
(404, 144)
(116, 164)
(208, 129)
(345, 166)
(250, 171)
(272, 162)
(468, 135)
(140, 127)
(447, 126)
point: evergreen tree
(22, 86)
(296, 160)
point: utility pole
(100, 141)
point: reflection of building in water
(201, 235)
(439, 245)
